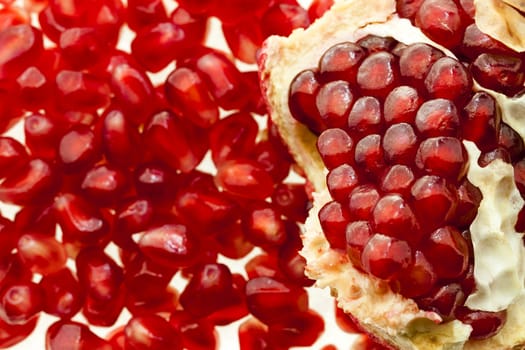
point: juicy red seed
(263, 225)
(443, 156)
(33, 88)
(63, 294)
(485, 324)
(73, 335)
(357, 235)
(401, 105)
(511, 141)
(41, 253)
(378, 74)
(400, 144)
(21, 44)
(282, 19)
(333, 101)
(341, 181)
(365, 116)
(504, 74)
(397, 179)
(416, 60)
(244, 39)
(12, 16)
(444, 300)
(263, 265)
(175, 142)
(293, 264)
(408, 8)
(292, 201)
(334, 218)
(392, 216)
(369, 155)
(362, 201)
(434, 201)
(80, 221)
(481, 121)
(272, 160)
(81, 91)
(253, 335)
(41, 135)
(244, 178)
(12, 155)
(299, 329)
(475, 42)
(20, 302)
(440, 21)
(385, 256)
(448, 252)
(121, 141)
(469, 197)
(418, 278)
(198, 334)
(82, 47)
(497, 153)
(335, 147)
(437, 117)
(448, 79)
(318, 7)
(156, 46)
(104, 183)
(33, 183)
(374, 43)
(143, 13)
(341, 61)
(170, 245)
(186, 91)
(79, 148)
(271, 300)
(301, 101)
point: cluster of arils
(111, 159)
(391, 119)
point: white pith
(382, 312)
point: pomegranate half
(415, 226)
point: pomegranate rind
(502, 20)
(386, 315)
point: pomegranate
(396, 123)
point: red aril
(143, 13)
(77, 90)
(21, 302)
(299, 329)
(20, 43)
(385, 256)
(151, 332)
(244, 178)
(74, 336)
(197, 334)
(121, 141)
(283, 18)
(63, 295)
(263, 225)
(41, 253)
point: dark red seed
(443, 156)
(448, 79)
(292, 201)
(74, 336)
(21, 44)
(41, 253)
(418, 278)
(448, 252)
(244, 39)
(511, 141)
(341, 61)
(438, 117)
(475, 43)
(283, 18)
(400, 144)
(385, 256)
(79, 148)
(104, 183)
(415, 61)
(263, 225)
(501, 73)
(21, 302)
(393, 216)
(444, 300)
(401, 105)
(197, 334)
(341, 181)
(301, 100)
(397, 179)
(469, 198)
(142, 13)
(362, 201)
(481, 121)
(369, 155)
(12, 155)
(485, 324)
(121, 141)
(244, 178)
(357, 235)
(440, 21)
(375, 43)
(333, 218)
(77, 90)
(335, 147)
(365, 117)
(63, 294)
(378, 74)
(408, 8)
(299, 329)
(333, 101)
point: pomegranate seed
(393, 216)
(448, 79)
(401, 105)
(174, 142)
(362, 201)
(41, 254)
(292, 201)
(253, 335)
(63, 296)
(511, 141)
(20, 43)
(233, 11)
(41, 135)
(20, 302)
(318, 7)
(197, 334)
(299, 329)
(9, 236)
(81, 47)
(121, 140)
(484, 324)
(341, 181)
(104, 183)
(33, 88)
(437, 117)
(263, 225)
(14, 333)
(397, 179)
(81, 91)
(244, 39)
(232, 242)
(434, 201)
(186, 90)
(369, 155)
(155, 181)
(341, 61)
(79, 148)
(170, 245)
(49, 24)
(333, 101)
(418, 278)
(378, 74)
(263, 265)
(334, 218)
(440, 21)
(475, 42)
(469, 198)
(12, 15)
(357, 234)
(269, 299)
(385, 256)
(498, 72)
(271, 160)
(194, 25)
(117, 338)
(365, 117)
(244, 178)
(12, 155)
(416, 60)
(292, 263)
(408, 8)
(151, 332)
(199, 6)
(302, 101)
(335, 147)
(481, 121)
(144, 13)
(374, 43)
(448, 252)
(74, 336)
(144, 278)
(444, 300)
(282, 19)
(442, 156)
(33, 183)
(400, 144)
